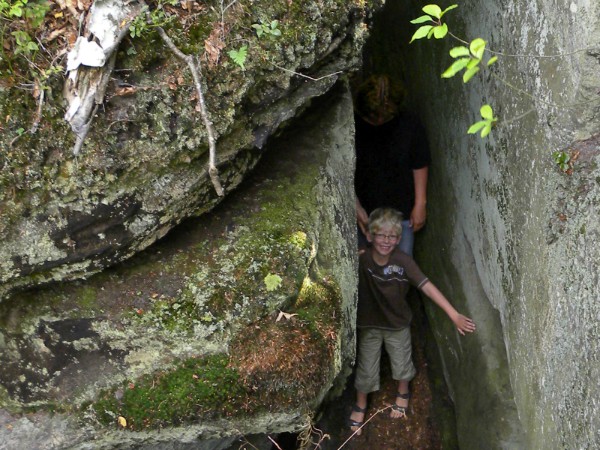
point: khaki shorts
(398, 346)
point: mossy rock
(143, 166)
(239, 322)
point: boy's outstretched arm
(463, 323)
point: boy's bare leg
(358, 417)
(401, 402)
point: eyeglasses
(385, 237)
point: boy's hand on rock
(464, 324)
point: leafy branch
(466, 58)
(469, 57)
(433, 14)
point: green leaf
(422, 19)
(272, 282)
(259, 29)
(459, 51)
(274, 24)
(486, 112)
(486, 130)
(476, 127)
(433, 10)
(469, 73)
(440, 31)
(448, 9)
(276, 32)
(239, 56)
(477, 47)
(16, 10)
(421, 32)
(492, 60)
(474, 62)
(456, 67)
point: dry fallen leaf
(285, 315)
(122, 421)
(213, 46)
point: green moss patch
(197, 388)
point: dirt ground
(416, 431)
(429, 422)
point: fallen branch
(91, 62)
(194, 66)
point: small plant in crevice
(267, 28)
(561, 158)
(239, 56)
(565, 160)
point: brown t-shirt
(382, 290)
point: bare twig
(306, 76)
(194, 66)
(38, 113)
(274, 443)
(524, 55)
(223, 9)
(361, 427)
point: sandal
(401, 409)
(355, 423)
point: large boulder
(238, 323)
(131, 161)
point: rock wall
(238, 324)
(511, 238)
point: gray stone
(63, 345)
(510, 238)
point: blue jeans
(407, 240)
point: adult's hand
(362, 218)
(418, 216)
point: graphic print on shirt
(391, 272)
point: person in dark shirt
(392, 158)
(384, 316)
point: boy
(383, 316)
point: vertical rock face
(511, 238)
(239, 323)
(72, 203)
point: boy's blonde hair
(381, 217)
